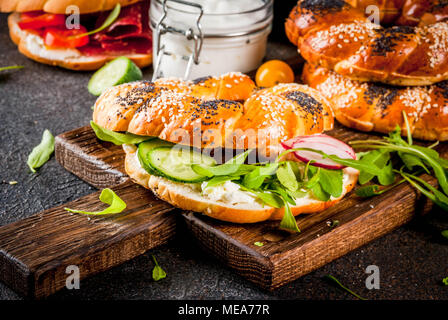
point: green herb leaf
(42, 152)
(219, 180)
(271, 199)
(320, 193)
(386, 176)
(113, 15)
(259, 244)
(157, 273)
(11, 68)
(331, 181)
(117, 138)
(330, 277)
(377, 157)
(333, 223)
(444, 233)
(107, 196)
(315, 176)
(411, 161)
(288, 221)
(255, 178)
(286, 176)
(445, 281)
(368, 191)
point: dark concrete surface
(412, 260)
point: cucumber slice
(175, 163)
(145, 147)
(118, 71)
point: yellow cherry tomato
(274, 72)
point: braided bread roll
(376, 107)
(214, 112)
(335, 35)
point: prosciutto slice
(130, 33)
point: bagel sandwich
(52, 32)
(219, 146)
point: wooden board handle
(35, 252)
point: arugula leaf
(285, 174)
(411, 161)
(281, 191)
(319, 193)
(330, 277)
(107, 196)
(315, 176)
(377, 157)
(331, 181)
(42, 152)
(157, 273)
(255, 178)
(386, 176)
(113, 15)
(444, 233)
(445, 281)
(436, 196)
(11, 67)
(288, 221)
(117, 138)
(240, 158)
(219, 180)
(271, 199)
(368, 191)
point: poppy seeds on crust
(322, 6)
(201, 79)
(388, 38)
(305, 102)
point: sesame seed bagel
(335, 35)
(377, 107)
(214, 112)
(189, 196)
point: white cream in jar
(233, 32)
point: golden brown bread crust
(189, 200)
(231, 118)
(335, 35)
(375, 107)
(32, 46)
(60, 6)
(406, 12)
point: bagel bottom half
(187, 196)
(32, 46)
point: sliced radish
(324, 143)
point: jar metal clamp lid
(189, 33)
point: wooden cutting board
(35, 252)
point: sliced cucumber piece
(118, 71)
(145, 147)
(175, 163)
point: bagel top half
(214, 112)
(335, 35)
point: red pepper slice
(65, 38)
(35, 21)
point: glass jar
(208, 37)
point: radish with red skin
(324, 143)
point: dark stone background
(412, 260)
